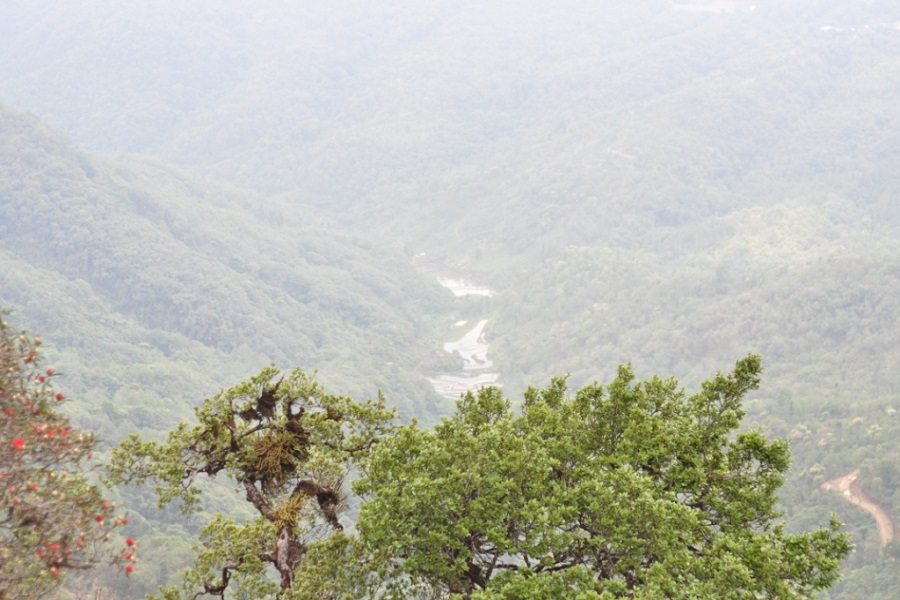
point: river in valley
(471, 347)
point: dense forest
(189, 193)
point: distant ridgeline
(671, 184)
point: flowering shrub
(52, 519)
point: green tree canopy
(630, 490)
(288, 445)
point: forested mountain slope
(496, 128)
(156, 287)
(669, 183)
(807, 284)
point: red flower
(60, 396)
(18, 443)
(127, 554)
(129, 542)
(129, 568)
(99, 518)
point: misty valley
(450, 300)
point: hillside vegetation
(668, 184)
(185, 284)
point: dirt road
(852, 493)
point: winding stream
(471, 347)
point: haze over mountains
(202, 188)
(186, 274)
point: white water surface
(472, 347)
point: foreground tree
(52, 519)
(288, 445)
(633, 490)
